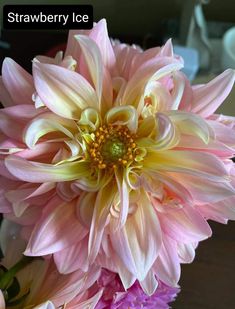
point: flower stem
(6, 278)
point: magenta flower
(115, 297)
(109, 157)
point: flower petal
(139, 241)
(40, 172)
(46, 305)
(221, 211)
(178, 90)
(63, 91)
(46, 123)
(191, 124)
(185, 225)
(2, 301)
(153, 69)
(100, 35)
(17, 81)
(102, 206)
(5, 97)
(186, 252)
(194, 163)
(92, 56)
(72, 258)
(167, 265)
(72, 48)
(166, 135)
(57, 229)
(19, 115)
(209, 97)
(124, 199)
(150, 283)
(204, 191)
(91, 118)
(123, 115)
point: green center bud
(113, 150)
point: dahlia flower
(36, 283)
(109, 157)
(115, 297)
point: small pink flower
(115, 297)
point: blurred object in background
(191, 60)
(193, 30)
(228, 52)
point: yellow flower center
(113, 145)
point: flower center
(112, 146)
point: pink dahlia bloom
(110, 157)
(115, 297)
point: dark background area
(209, 282)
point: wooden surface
(209, 282)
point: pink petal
(187, 97)
(205, 191)
(73, 258)
(72, 48)
(93, 60)
(179, 81)
(167, 49)
(65, 191)
(137, 58)
(57, 229)
(185, 225)
(125, 56)
(223, 133)
(44, 152)
(99, 34)
(150, 283)
(209, 97)
(81, 303)
(174, 186)
(46, 305)
(28, 194)
(46, 123)
(63, 91)
(221, 211)
(124, 116)
(125, 275)
(153, 69)
(124, 199)
(19, 115)
(190, 124)
(2, 301)
(166, 135)
(189, 142)
(139, 241)
(186, 252)
(194, 163)
(63, 289)
(102, 206)
(85, 207)
(4, 171)
(40, 172)
(5, 97)
(18, 82)
(5, 186)
(167, 265)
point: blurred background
(203, 33)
